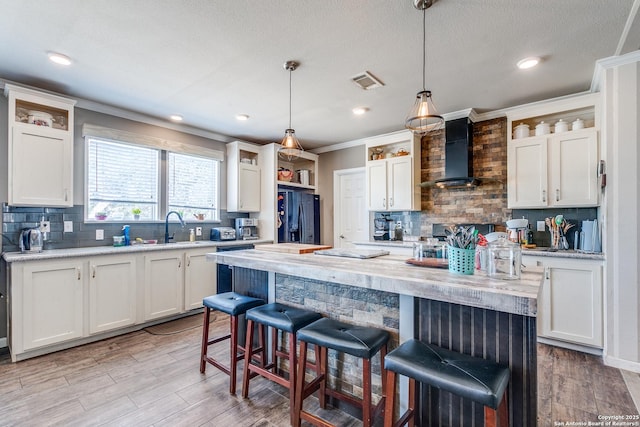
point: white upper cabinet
(558, 169)
(393, 172)
(40, 152)
(243, 177)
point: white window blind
(121, 177)
(193, 186)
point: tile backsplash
(14, 219)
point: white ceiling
(209, 60)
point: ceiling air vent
(367, 81)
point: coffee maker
(247, 228)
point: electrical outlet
(198, 231)
(68, 226)
(99, 234)
(45, 226)
(539, 225)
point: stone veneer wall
(485, 203)
(349, 304)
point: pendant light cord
(424, 46)
(290, 71)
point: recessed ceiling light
(358, 111)
(242, 117)
(530, 62)
(176, 117)
(59, 58)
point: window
(192, 186)
(131, 176)
(121, 177)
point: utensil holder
(461, 261)
(556, 241)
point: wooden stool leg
(322, 353)
(274, 350)
(497, 417)
(233, 354)
(299, 387)
(366, 393)
(292, 374)
(390, 401)
(205, 339)
(411, 405)
(248, 350)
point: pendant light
(290, 147)
(423, 118)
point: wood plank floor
(143, 379)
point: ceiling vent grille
(367, 81)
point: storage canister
(505, 259)
(542, 128)
(561, 126)
(577, 124)
(521, 131)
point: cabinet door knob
(390, 201)
(78, 271)
(557, 194)
(384, 202)
(544, 196)
(93, 271)
(342, 236)
(188, 261)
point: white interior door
(351, 217)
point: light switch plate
(68, 226)
(99, 234)
(539, 225)
(198, 231)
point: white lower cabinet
(48, 307)
(570, 305)
(55, 304)
(199, 278)
(163, 284)
(112, 292)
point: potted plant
(136, 213)
(101, 215)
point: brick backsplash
(486, 203)
(14, 219)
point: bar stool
(469, 377)
(234, 305)
(358, 341)
(278, 317)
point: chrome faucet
(167, 238)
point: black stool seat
(358, 341)
(469, 377)
(282, 317)
(231, 303)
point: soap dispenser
(125, 233)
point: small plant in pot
(136, 213)
(101, 215)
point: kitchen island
(475, 315)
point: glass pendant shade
(290, 147)
(423, 116)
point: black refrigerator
(298, 217)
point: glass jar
(505, 259)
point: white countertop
(541, 251)
(391, 274)
(113, 250)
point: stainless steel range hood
(458, 160)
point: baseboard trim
(627, 365)
(632, 380)
(571, 346)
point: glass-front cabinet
(40, 152)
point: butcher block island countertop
(390, 273)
